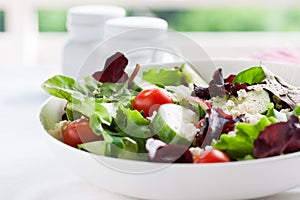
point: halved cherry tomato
(211, 156)
(79, 132)
(149, 100)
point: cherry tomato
(211, 156)
(79, 132)
(149, 100)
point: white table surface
(28, 169)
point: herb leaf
(132, 123)
(250, 76)
(241, 145)
(62, 87)
(162, 77)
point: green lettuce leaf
(296, 111)
(118, 147)
(89, 107)
(71, 90)
(163, 77)
(132, 123)
(63, 87)
(250, 76)
(241, 145)
(272, 112)
(97, 147)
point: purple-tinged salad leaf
(218, 87)
(283, 94)
(230, 78)
(231, 89)
(240, 144)
(201, 92)
(217, 123)
(250, 76)
(279, 138)
(113, 71)
(158, 151)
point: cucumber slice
(175, 124)
(192, 76)
(143, 85)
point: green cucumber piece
(192, 76)
(175, 124)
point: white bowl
(235, 180)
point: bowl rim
(182, 165)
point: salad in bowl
(173, 115)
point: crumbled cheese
(246, 107)
(250, 103)
(235, 113)
(152, 116)
(242, 94)
(231, 133)
(195, 151)
(59, 127)
(152, 145)
(257, 88)
(230, 104)
(285, 110)
(208, 147)
(96, 92)
(253, 119)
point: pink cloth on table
(285, 54)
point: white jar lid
(93, 15)
(116, 26)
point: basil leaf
(162, 77)
(250, 76)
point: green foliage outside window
(2, 21)
(210, 19)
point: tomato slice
(211, 156)
(149, 100)
(79, 132)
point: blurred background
(33, 32)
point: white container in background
(85, 26)
(150, 32)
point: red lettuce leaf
(231, 89)
(230, 78)
(279, 138)
(217, 123)
(113, 71)
(173, 154)
(218, 86)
